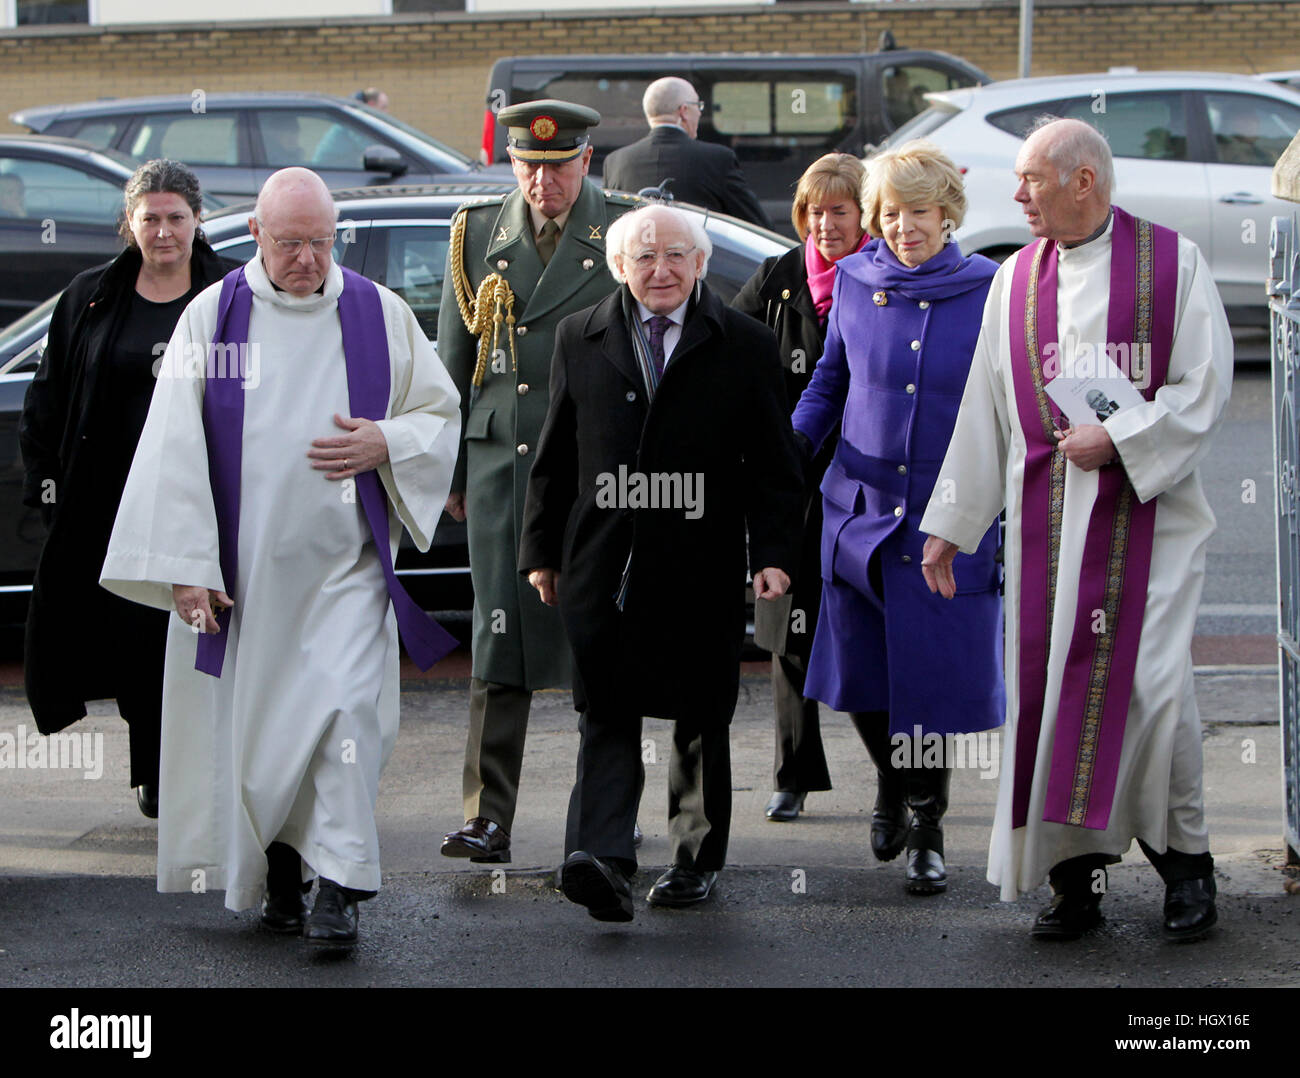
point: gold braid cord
(493, 304)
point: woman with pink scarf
(792, 295)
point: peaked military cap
(547, 130)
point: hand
(456, 506)
(1087, 447)
(936, 566)
(547, 583)
(360, 450)
(770, 584)
(195, 605)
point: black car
(234, 141)
(59, 206)
(397, 236)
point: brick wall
(435, 67)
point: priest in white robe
(1105, 537)
(270, 770)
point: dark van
(778, 112)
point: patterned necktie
(658, 325)
(547, 240)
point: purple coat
(892, 376)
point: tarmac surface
(800, 904)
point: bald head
(672, 101)
(293, 209)
(1066, 179)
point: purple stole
(1099, 666)
(365, 352)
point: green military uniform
(518, 642)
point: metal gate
(1284, 307)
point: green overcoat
(517, 640)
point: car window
(794, 104)
(417, 260)
(100, 133)
(1151, 126)
(210, 138)
(904, 86)
(43, 190)
(1020, 121)
(312, 139)
(1250, 130)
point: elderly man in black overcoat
(667, 439)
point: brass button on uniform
(521, 331)
(522, 450)
(785, 293)
(522, 389)
(502, 263)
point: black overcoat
(778, 296)
(705, 173)
(66, 658)
(720, 413)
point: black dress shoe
(333, 919)
(889, 824)
(785, 806)
(926, 874)
(284, 912)
(681, 887)
(599, 885)
(1189, 909)
(480, 840)
(637, 836)
(1069, 916)
(146, 796)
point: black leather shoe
(785, 806)
(926, 874)
(637, 836)
(889, 825)
(333, 919)
(1189, 909)
(1068, 917)
(680, 887)
(480, 840)
(284, 912)
(146, 797)
(598, 885)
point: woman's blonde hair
(832, 178)
(917, 172)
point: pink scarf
(821, 274)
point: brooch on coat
(880, 299)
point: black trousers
(800, 758)
(1174, 866)
(611, 776)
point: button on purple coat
(892, 376)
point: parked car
(778, 112)
(59, 206)
(1193, 151)
(397, 236)
(234, 141)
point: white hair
(630, 224)
(665, 96)
(1074, 143)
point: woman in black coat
(81, 421)
(827, 214)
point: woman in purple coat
(904, 321)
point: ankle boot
(889, 818)
(926, 793)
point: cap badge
(543, 128)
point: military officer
(517, 265)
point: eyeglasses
(676, 258)
(292, 247)
(698, 104)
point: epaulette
(621, 198)
(481, 202)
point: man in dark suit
(666, 440)
(704, 173)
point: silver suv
(1193, 151)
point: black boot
(1077, 889)
(284, 907)
(926, 794)
(1190, 911)
(889, 818)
